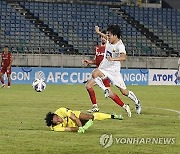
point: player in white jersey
(110, 66)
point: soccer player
(99, 55)
(110, 66)
(6, 62)
(64, 119)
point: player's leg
(103, 116)
(98, 77)
(91, 92)
(92, 95)
(116, 78)
(130, 95)
(98, 116)
(9, 80)
(133, 97)
(9, 77)
(1, 77)
(112, 95)
(126, 92)
(84, 117)
(119, 82)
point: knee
(125, 92)
(91, 116)
(88, 86)
(95, 73)
(111, 94)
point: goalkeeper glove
(81, 130)
(88, 124)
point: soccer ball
(39, 85)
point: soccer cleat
(120, 117)
(93, 109)
(8, 87)
(138, 107)
(127, 108)
(3, 85)
(106, 93)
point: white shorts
(115, 77)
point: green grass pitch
(23, 130)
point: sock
(2, 80)
(100, 83)
(124, 106)
(92, 95)
(95, 105)
(9, 83)
(88, 124)
(101, 116)
(112, 116)
(133, 97)
(117, 100)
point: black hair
(103, 31)
(49, 119)
(115, 30)
(6, 46)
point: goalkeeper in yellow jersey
(64, 119)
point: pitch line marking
(165, 109)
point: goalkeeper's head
(52, 119)
(49, 118)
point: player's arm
(99, 32)
(75, 119)
(71, 129)
(59, 128)
(88, 124)
(89, 62)
(121, 58)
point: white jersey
(113, 50)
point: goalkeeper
(65, 119)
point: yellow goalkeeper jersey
(65, 113)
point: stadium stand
(163, 23)
(48, 27)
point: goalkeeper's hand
(81, 130)
(88, 124)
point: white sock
(133, 97)
(95, 105)
(124, 106)
(100, 83)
